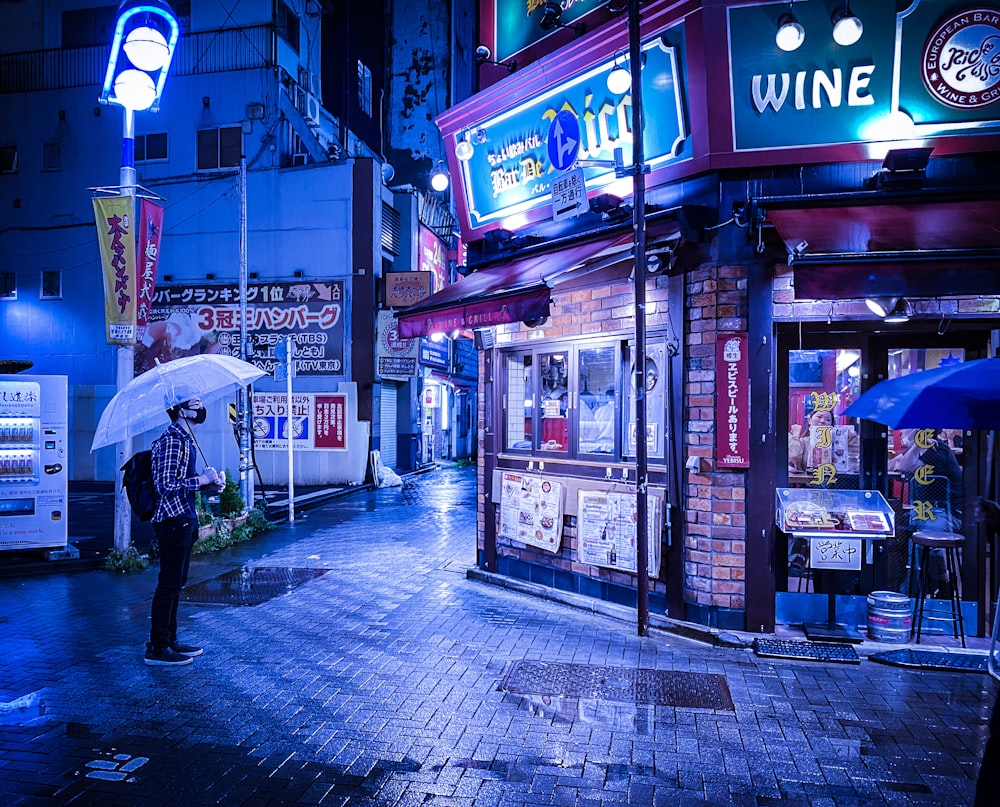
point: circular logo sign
(961, 59)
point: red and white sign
(732, 410)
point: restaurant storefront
(785, 188)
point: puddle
(249, 586)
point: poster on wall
(732, 414)
(531, 510)
(192, 319)
(397, 355)
(606, 530)
(318, 421)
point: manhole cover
(249, 586)
(657, 687)
(806, 651)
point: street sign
(569, 195)
(563, 141)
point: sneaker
(186, 649)
(166, 657)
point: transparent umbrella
(142, 403)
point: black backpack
(139, 485)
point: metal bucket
(890, 617)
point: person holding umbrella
(175, 524)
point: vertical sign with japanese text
(150, 230)
(732, 410)
(116, 237)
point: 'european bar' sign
(510, 171)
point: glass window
(553, 406)
(598, 396)
(51, 157)
(8, 286)
(520, 403)
(51, 285)
(219, 148)
(151, 147)
(565, 401)
(8, 159)
(287, 24)
(364, 89)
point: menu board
(531, 510)
(606, 530)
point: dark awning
(922, 243)
(519, 290)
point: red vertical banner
(732, 411)
(148, 262)
(331, 422)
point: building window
(151, 147)
(51, 157)
(51, 285)
(88, 26)
(566, 400)
(287, 24)
(219, 148)
(364, 88)
(8, 286)
(8, 159)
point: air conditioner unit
(311, 107)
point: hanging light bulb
(619, 80)
(790, 34)
(464, 149)
(847, 27)
(439, 178)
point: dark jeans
(175, 537)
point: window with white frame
(220, 148)
(364, 88)
(151, 147)
(8, 286)
(8, 159)
(51, 285)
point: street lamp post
(146, 34)
(639, 360)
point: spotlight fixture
(790, 34)
(439, 177)
(901, 312)
(847, 27)
(619, 79)
(485, 56)
(552, 18)
(881, 306)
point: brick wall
(715, 507)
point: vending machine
(34, 434)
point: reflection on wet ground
(619, 684)
(249, 586)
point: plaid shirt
(174, 473)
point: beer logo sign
(961, 59)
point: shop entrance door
(929, 478)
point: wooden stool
(951, 542)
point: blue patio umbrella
(958, 396)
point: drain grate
(807, 651)
(249, 586)
(621, 684)
(931, 660)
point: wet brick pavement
(380, 682)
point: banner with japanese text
(186, 320)
(318, 421)
(397, 356)
(732, 410)
(116, 238)
(150, 231)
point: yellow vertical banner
(116, 236)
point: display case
(823, 512)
